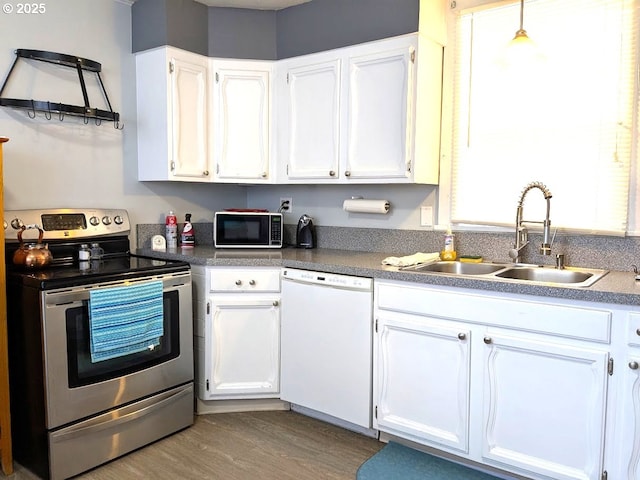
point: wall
(326, 24)
(242, 33)
(48, 163)
(269, 35)
(180, 23)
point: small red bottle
(187, 237)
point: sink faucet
(521, 230)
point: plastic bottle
(449, 251)
(171, 230)
(187, 237)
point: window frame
(445, 188)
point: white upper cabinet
(312, 145)
(240, 125)
(380, 114)
(349, 115)
(172, 91)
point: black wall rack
(61, 109)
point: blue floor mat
(396, 461)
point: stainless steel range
(100, 348)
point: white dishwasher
(326, 338)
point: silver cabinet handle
(462, 336)
(633, 365)
(252, 282)
(332, 173)
(205, 173)
(276, 303)
(638, 332)
(347, 173)
(238, 282)
(263, 174)
(487, 340)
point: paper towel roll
(362, 205)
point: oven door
(77, 387)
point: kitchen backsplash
(607, 252)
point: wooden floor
(278, 445)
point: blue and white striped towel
(125, 320)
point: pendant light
(521, 39)
(522, 51)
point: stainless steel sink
(569, 276)
(582, 277)
(458, 268)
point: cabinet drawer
(633, 329)
(244, 279)
(538, 316)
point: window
(565, 117)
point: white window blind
(564, 117)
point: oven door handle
(104, 421)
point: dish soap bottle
(187, 237)
(449, 251)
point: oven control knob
(17, 224)
(106, 220)
(118, 220)
(5, 225)
(94, 221)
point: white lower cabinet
(422, 379)
(514, 382)
(543, 406)
(630, 413)
(241, 337)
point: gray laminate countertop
(615, 287)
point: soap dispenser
(448, 253)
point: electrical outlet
(286, 207)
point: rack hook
(117, 126)
(61, 114)
(33, 109)
(98, 121)
(47, 114)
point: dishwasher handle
(322, 283)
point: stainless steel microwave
(247, 230)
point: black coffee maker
(306, 233)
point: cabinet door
(188, 96)
(171, 94)
(421, 380)
(380, 114)
(242, 347)
(544, 407)
(630, 445)
(313, 95)
(241, 107)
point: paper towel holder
(357, 204)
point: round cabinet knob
(347, 173)
(252, 282)
(264, 175)
(276, 303)
(238, 282)
(205, 173)
(332, 173)
(487, 340)
(462, 336)
(638, 332)
(633, 365)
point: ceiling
(253, 4)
